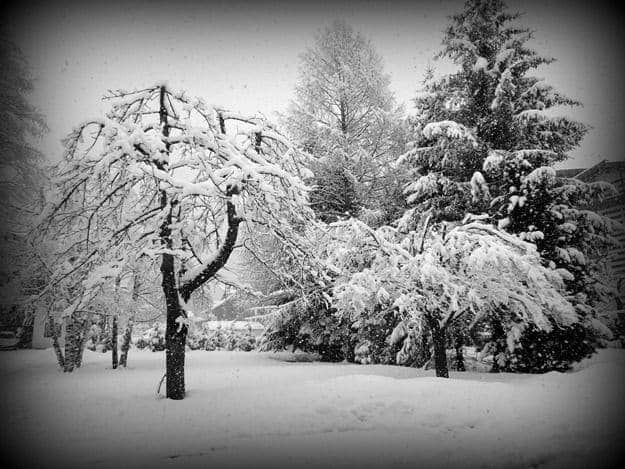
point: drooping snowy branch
(473, 270)
(126, 177)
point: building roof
(605, 166)
(569, 173)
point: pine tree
(21, 175)
(487, 137)
(490, 103)
(345, 116)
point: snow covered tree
(491, 103)
(345, 116)
(168, 177)
(470, 271)
(556, 214)
(21, 177)
(486, 139)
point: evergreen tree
(345, 116)
(20, 174)
(487, 137)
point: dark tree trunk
(440, 353)
(175, 355)
(114, 359)
(70, 345)
(123, 359)
(498, 340)
(459, 353)
(55, 344)
(82, 339)
(175, 333)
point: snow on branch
(473, 269)
(160, 175)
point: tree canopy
(345, 116)
(169, 178)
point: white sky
(244, 55)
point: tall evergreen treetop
(495, 99)
(345, 116)
(21, 175)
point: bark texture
(114, 334)
(123, 358)
(440, 353)
(459, 346)
(55, 344)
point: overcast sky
(244, 55)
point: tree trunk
(114, 343)
(82, 339)
(72, 344)
(440, 353)
(123, 359)
(459, 345)
(55, 344)
(498, 340)
(175, 333)
(175, 355)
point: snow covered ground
(258, 410)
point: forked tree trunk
(114, 359)
(123, 359)
(175, 333)
(440, 353)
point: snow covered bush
(540, 351)
(97, 340)
(245, 340)
(196, 339)
(371, 334)
(152, 339)
(469, 271)
(309, 324)
(221, 338)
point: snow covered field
(257, 410)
